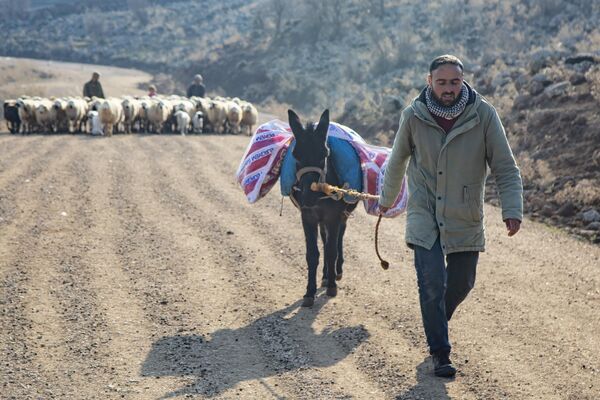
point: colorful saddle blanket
(269, 158)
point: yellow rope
(330, 189)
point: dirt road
(132, 267)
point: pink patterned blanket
(261, 164)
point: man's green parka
(447, 173)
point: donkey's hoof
(308, 301)
(331, 291)
(338, 277)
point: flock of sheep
(157, 114)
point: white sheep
(27, 108)
(58, 114)
(43, 115)
(76, 111)
(198, 122)
(217, 115)
(186, 105)
(111, 114)
(249, 118)
(145, 104)
(234, 117)
(131, 113)
(95, 127)
(183, 121)
(159, 113)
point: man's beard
(455, 99)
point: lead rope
(329, 190)
(384, 264)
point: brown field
(133, 267)
(22, 76)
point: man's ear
(429, 79)
(295, 123)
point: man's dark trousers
(442, 288)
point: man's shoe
(442, 366)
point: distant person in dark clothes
(93, 87)
(196, 88)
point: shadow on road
(428, 386)
(271, 345)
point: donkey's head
(311, 154)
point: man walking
(93, 87)
(447, 136)
(196, 88)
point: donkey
(319, 213)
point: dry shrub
(537, 172)
(586, 191)
(277, 108)
(548, 8)
(593, 76)
(591, 40)
(527, 166)
(94, 22)
(545, 175)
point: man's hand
(383, 209)
(512, 225)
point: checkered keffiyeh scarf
(447, 112)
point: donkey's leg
(339, 262)
(323, 232)
(331, 248)
(312, 259)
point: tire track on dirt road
(206, 296)
(31, 315)
(19, 175)
(16, 147)
(109, 328)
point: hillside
(53, 78)
(536, 60)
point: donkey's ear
(295, 123)
(323, 125)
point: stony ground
(133, 267)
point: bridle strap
(302, 171)
(321, 171)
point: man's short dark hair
(445, 59)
